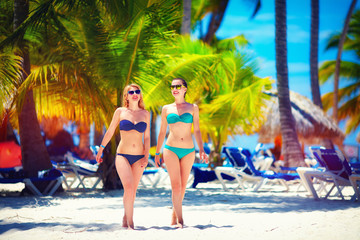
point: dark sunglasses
(132, 92)
(178, 87)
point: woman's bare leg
(173, 168)
(186, 164)
(127, 179)
(137, 174)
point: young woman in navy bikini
(179, 151)
(132, 152)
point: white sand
(209, 213)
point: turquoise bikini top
(174, 118)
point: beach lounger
(235, 170)
(337, 173)
(16, 175)
(152, 176)
(239, 169)
(75, 169)
(244, 171)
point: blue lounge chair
(16, 175)
(336, 172)
(244, 170)
(152, 175)
(76, 169)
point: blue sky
(260, 31)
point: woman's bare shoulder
(120, 110)
(166, 107)
(194, 107)
(145, 112)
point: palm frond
(349, 70)
(231, 44)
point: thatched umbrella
(311, 122)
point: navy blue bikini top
(127, 125)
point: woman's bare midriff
(180, 135)
(131, 143)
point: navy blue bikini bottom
(131, 158)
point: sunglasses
(178, 87)
(132, 92)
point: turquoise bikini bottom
(180, 152)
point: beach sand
(209, 213)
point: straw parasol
(311, 122)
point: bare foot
(180, 224)
(124, 224)
(173, 218)
(131, 226)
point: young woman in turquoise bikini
(179, 151)
(133, 151)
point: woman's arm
(197, 135)
(146, 141)
(161, 136)
(109, 133)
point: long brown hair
(125, 102)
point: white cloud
(263, 34)
(265, 17)
(325, 34)
(266, 68)
(235, 19)
(299, 67)
(297, 35)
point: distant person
(132, 151)
(179, 151)
(61, 144)
(276, 151)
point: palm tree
(34, 154)
(112, 43)
(290, 146)
(338, 60)
(314, 71)
(217, 9)
(215, 21)
(186, 21)
(314, 46)
(349, 96)
(222, 83)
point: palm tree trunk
(186, 21)
(215, 21)
(292, 150)
(338, 60)
(84, 136)
(314, 49)
(314, 70)
(111, 178)
(34, 154)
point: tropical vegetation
(349, 94)
(82, 53)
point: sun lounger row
(244, 171)
(52, 178)
(334, 171)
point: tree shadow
(172, 228)
(68, 227)
(244, 202)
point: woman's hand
(157, 160)
(203, 156)
(98, 156)
(144, 162)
